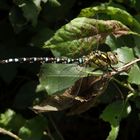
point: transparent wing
(55, 78)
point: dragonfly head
(112, 57)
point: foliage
(63, 28)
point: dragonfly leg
(113, 68)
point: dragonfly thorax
(101, 59)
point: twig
(124, 68)
(121, 69)
(3, 131)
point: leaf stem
(128, 86)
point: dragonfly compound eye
(112, 57)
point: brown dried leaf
(78, 96)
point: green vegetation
(67, 101)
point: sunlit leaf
(82, 35)
(33, 129)
(6, 117)
(55, 2)
(37, 3)
(113, 133)
(11, 120)
(113, 13)
(44, 1)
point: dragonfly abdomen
(101, 59)
(42, 60)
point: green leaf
(33, 129)
(30, 10)
(6, 117)
(115, 43)
(38, 3)
(11, 121)
(113, 133)
(113, 13)
(114, 112)
(55, 3)
(112, 42)
(134, 75)
(118, 14)
(125, 55)
(82, 35)
(55, 78)
(44, 1)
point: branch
(3, 131)
(121, 69)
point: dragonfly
(95, 60)
(85, 92)
(101, 59)
(77, 94)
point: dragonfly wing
(55, 78)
